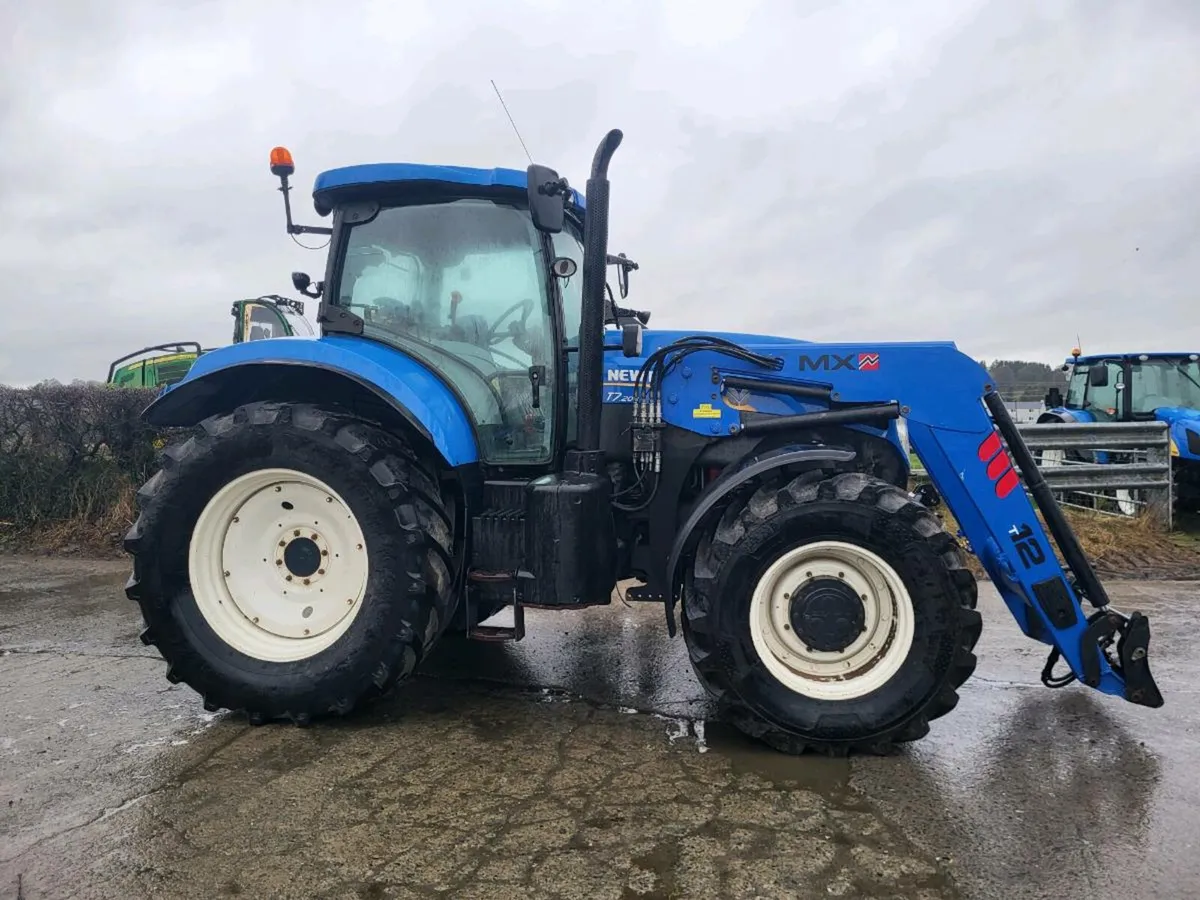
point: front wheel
(831, 614)
(291, 562)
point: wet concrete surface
(582, 762)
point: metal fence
(1134, 480)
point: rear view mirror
(546, 192)
(1098, 376)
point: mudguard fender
(238, 373)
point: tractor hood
(1173, 414)
(1184, 427)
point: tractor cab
(475, 273)
(156, 366)
(1128, 387)
(162, 365)
(269, 316)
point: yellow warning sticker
(706, 411)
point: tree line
(1019, 380)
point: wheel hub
(302, 557)
(826, 614)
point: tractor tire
(819, 576)
(291, 562)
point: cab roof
(330, 183)
(1152, 354)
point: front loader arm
(977, 461)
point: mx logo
(832, 362)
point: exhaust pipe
(591, 327)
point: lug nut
(306, 581)
(320, 571)
(314, 537)
(289, 578)
(279, 562)
(296, 533)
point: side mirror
(624, 265)
(547, 193)
(301, 282)
(1098, 376)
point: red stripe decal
(990, 446)
(1007, 484)
(997, 466)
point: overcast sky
(1002, 174)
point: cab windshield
(462, 286)
(1165, 382)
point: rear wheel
(291, 562)
(831, 614)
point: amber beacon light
(281, 162)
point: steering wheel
(492, 336)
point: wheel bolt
(314, 537)
(320, 571)
(226, 574)
(296, 533)
(324, 552)
(328, 499)
(289, 578)
(282, 543)
(306, 581)
(350, 602)
(279, 562)
(306, 631)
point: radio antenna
(510, 120)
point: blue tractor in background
(1136, 387)
(482, 425)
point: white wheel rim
(1125, 502)
(278, 565)
(870, 660)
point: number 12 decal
(1029, 548)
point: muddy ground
(582, 762)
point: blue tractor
(1136, 387)
(482, 425)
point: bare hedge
(72, 454)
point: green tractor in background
(268, 316)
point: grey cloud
(980, 172)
